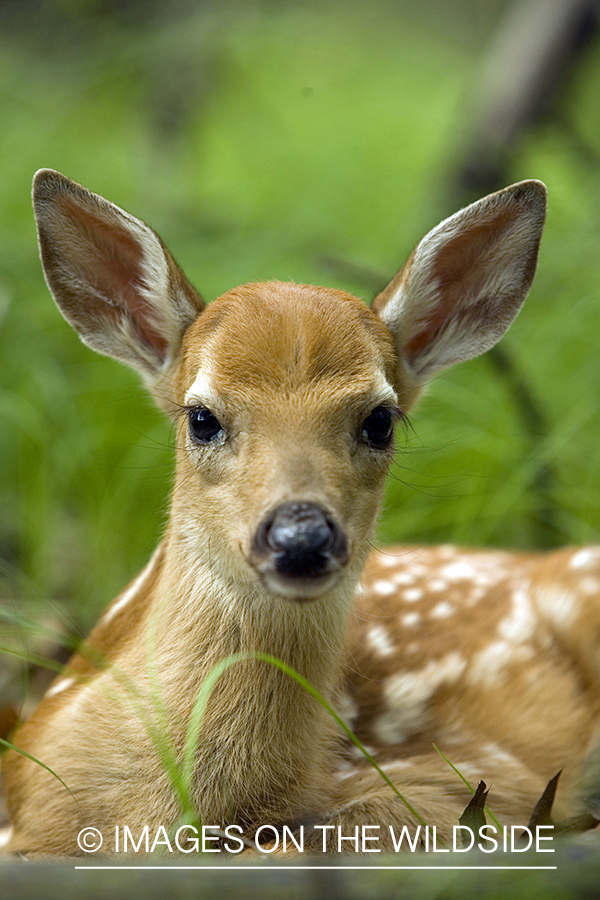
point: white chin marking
(301, 590)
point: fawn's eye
(378, 428)
(204, 426)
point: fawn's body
(285, 397)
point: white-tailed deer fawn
(285, 398)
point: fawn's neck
(263, 735)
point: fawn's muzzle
(299, 545)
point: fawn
(285, 398)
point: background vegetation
(313, 141)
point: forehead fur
(286, 336)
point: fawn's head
(285, 395)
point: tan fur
(436, 645)
(522, 685)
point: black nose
(302, 540)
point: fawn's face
(287, 393)
(286, 435)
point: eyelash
(377, 430)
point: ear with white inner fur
(111, 276)
(465, 282)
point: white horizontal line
(259, 868)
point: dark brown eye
(204, 426)
(378, 428)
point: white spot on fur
(589, 586)
(498, 755)
(443, 610)
(410, 620)
(132, 590)
(398, 764)
(379, 639)
(437, 584)
(482, 569)
(404, 577)
(489, 663)
(447, 551)
(585, 557)
(59, 686)
(390, 562)
(558, 606)
(477, 594)
(407, 694)
(347, 709)
(460, 571)
(411, 595)
(358, 754)
(5, 836)
(384, 587)
(519, 625)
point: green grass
(303, 132)
(147, 705)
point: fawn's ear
(465, 282)
(111, 277)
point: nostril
(301, 540)
(300, 529)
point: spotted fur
(474, 651)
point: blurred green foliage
(264, 140)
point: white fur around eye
(202, 391)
